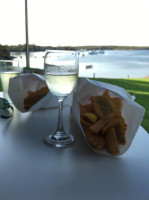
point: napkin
(131, 111)
(19, 87)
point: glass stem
(60, 127)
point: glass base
(59, 140)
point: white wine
(61, 85)
(61, 73)
(5, 76)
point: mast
(27, 39)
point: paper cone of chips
(107, 116)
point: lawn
(137, 87)
(0, 85)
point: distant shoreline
(5, 50)
(32, 47)
(113, 47)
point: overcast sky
(76, 22)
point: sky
(75, 22)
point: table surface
(31, 170)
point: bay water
(107, 64)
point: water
(111, 64)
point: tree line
(6, 49)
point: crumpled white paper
(20, 85)
(131, 111)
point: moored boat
(89, 66)
(96, 52)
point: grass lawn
(0, 86)
(137, 87)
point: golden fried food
(111, 142)
(102, 120)
(86, 108)
(98, 126)
(85, 123)
(96, 141)
(120, 129)
(104, 108)
(34, 97)
(91, 117)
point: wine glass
(9, 69)
(61, 73)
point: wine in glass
(9, 69)
(61, 74)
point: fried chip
(110, 127)
(34, 97)
(96, 141)
(99, 125)
(85, 123)
(85, 108)
(111, 142)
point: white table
(31, 170)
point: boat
(92, 52)
(83, 52)
(89, 66)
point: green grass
(0, 85)
(137, 87)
